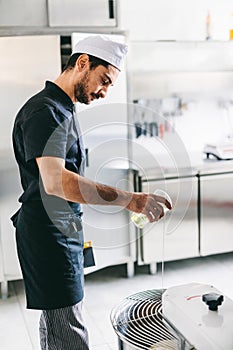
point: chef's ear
(82, 62)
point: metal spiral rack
(139, 323)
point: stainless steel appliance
(220, 150)
(101, 13)
(216, 209)
(104, 126)
(38, 59)
(139, 322)
(201, 314)
(163, 163)
(176, 236)
(185, 317)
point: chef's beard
(80, 90)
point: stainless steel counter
(197, 167)
(212, 166)
(201, 222)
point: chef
(50, 155)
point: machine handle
(111, 8)
(213, 300)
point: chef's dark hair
(95, 61)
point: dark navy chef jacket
(48, 229)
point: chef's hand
(150, 205)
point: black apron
(50, 251)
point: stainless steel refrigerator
(25, 63)
(104, 126)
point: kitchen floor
(105, 289)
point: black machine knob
(213, 300)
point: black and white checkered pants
(63, 329)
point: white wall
(161, 69)
(169, 55)
(176, 19)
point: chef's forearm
(76, 188)
(59, 181)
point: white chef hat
(102, 47)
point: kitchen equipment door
(25, 63)
(104, 127)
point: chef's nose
(103, 92)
